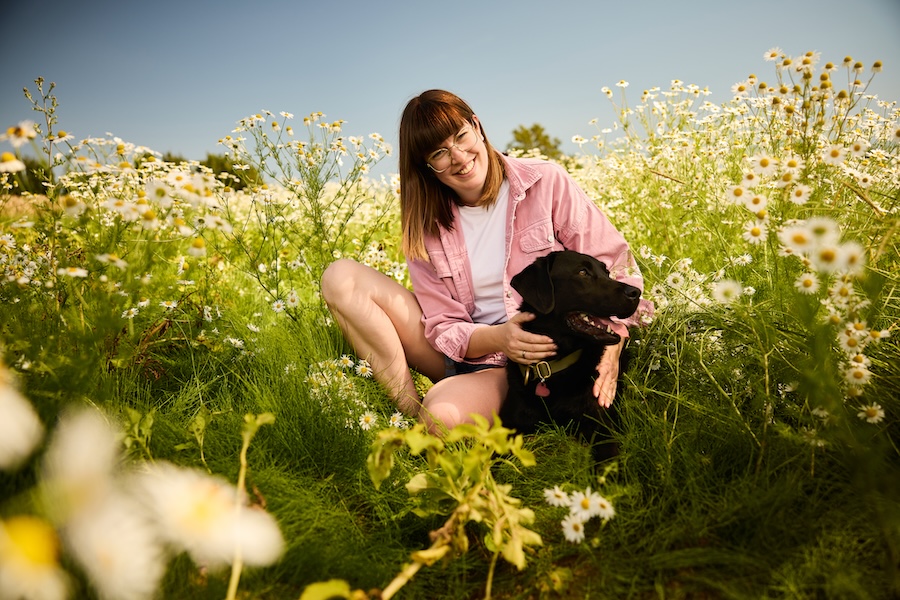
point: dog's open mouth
(592, 326)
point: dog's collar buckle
(544, 369)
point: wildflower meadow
(184, 420)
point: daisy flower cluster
(120, 525)
(376, 257)
(119, 196)
(583, 506)
(816, 243)
(336, 385)
(783, 177)
(315, 205)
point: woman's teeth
(466, 169)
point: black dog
(568, 292)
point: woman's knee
(337, 279)
(441, 417)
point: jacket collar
(521, 175)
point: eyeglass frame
(452, 146)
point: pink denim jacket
(547, 211)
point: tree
(526, 139)
(223, 167)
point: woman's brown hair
(425, 202)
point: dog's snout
(632, 293)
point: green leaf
(380, 461)
(420, 440)
(326, 590)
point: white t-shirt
(484, 230)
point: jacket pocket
(537, 236)
(440, 264)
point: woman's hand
(523, 346)
(509, 338)
(607, 374)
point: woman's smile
(467, 169)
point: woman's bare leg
(452, 401)
(383, 322)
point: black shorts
(452, 367)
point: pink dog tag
(542, 390)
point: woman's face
(467, 170)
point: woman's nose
(459, 152)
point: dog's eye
(583, 273)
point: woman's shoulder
(528, 171)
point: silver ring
(523, 354)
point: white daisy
(726, 291)
(118, 548)
(29, 564)
(807, 283)
(208, 517)
(556, 497)
(367, 420)
(573, 529)
(873, 413)
(20, 429)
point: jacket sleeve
(581, 226)
(448, 325)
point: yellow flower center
(31, 539)
(7, 157)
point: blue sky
(177, 76)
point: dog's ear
(535, 285)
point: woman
(471, 218)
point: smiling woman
(471, 219)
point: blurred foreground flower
(117, 547)
(10, 164)
(202, 515)
(20, 429)
(79, 464)
(29, 563)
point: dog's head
(572, 292)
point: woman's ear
(477, 125)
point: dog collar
(544, 369)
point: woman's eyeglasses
(439, 160)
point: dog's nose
(632, 293)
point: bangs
(429, 125)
